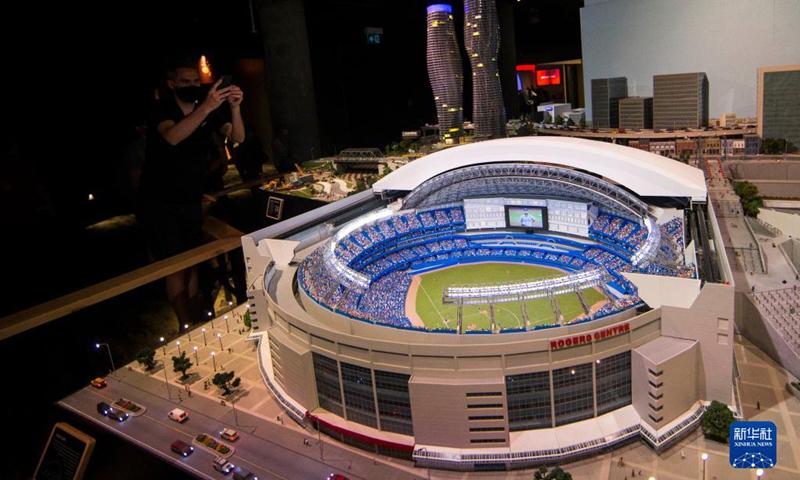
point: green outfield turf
(508, 315)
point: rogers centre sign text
(589, 338)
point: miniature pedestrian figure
(222, 402)
(753, 289)
(758, 405)
(633, 473)
(683, 454)
(640, 473)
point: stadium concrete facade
(339, 345)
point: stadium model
(424, 319)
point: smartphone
(226, 82)
(66, 455)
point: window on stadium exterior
(528, 399)
(358, 395)
(394, 402)
(613, 377)
(329, 394)
(573, 394)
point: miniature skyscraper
(445, 72)
(482, 42)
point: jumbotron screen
(526, 217)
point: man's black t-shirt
(175, 174)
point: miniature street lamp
(704, 456)
(186, 327)
(226, 324)
(113, 369)
(214, 359)
(204, 336)
(179, 347)
(219, 336)
(196, 361)
(163, 345)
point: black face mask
(189, 94)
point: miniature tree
(717, 422)
(246, 320)
(556, 474)
(226, 381)
(181, 364)
(147, 358)
(749, 198)
(582, 123)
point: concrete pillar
(290, 82)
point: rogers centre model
(526, 217)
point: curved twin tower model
(482, 43)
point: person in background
(180, 148)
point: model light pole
(195, 356)
(163, 345)
(226, 324)
(211, 316)
(704, 457)
(166, 380)
(188, 333)
(219, 336)
(760, 473)
(204, 336)
(113, 369)
(178, 344)
(214, 359)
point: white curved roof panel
(646, 174)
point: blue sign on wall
(753, 445)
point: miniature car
(229, 434)
(240, 473)
(222, 465)
(103, 408)
(99, 382)
(178, 415)
(337, 476)
(181, 448)
(118, 415)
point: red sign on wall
(548, 77)
(586, 338)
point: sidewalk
(253, 410)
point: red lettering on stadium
(576, 340)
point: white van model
(178, 415)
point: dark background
(78, 76)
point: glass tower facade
(445, 72)
(482, 42)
